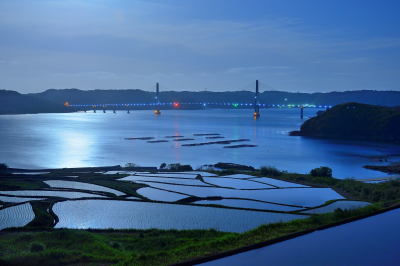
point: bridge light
(176, 104)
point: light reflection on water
(97, 139)
(102, 214)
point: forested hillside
(11, 102)
(355, 121)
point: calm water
(97, 139)
(371, 241)
(104, 214)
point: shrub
(36, 247)
(179, 167)
(322, 171)
(270, 170)
(131, 166)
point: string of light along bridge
(157, 104)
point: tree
(131, 166)
(3, 168)
(322, 171)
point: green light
(236, 104)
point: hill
(75, 96)
(12, 102)
(355, 121)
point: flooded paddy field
(276, 183)
(168, 180)
(104, 214)
(160, 195)
(344, 205)
(51, 193)
(18, 199)
(235, 183)
(16, 216)
(173, 175)
(82, 186)
(171, 200)
(304, 197)
(249, 204)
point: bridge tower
(157, 111)
(301, 111)
(256, 103)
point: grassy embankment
(39, 244)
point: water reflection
(94, 139)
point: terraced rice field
(170, 180)
(18, 199)
(235, 183)
(338, 204)
(143, 215)
(82, 186)
(50, 193)
(303, 197)
(248, 204)
(16, 216)
(164, 190)
(189, 176)
(277, 183)
(160, 195)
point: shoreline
(389, 169)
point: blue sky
(306, 46)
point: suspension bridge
(157, 105)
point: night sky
(306, 46)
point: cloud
(237, 70)
(137, 41)
(98, 75)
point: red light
(176, 104)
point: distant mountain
(75, 96)
(52, 101)
(12, 102)
(355, 121)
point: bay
(96, 139)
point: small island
(354, 121)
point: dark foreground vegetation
(38, 243)
(355, 121)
